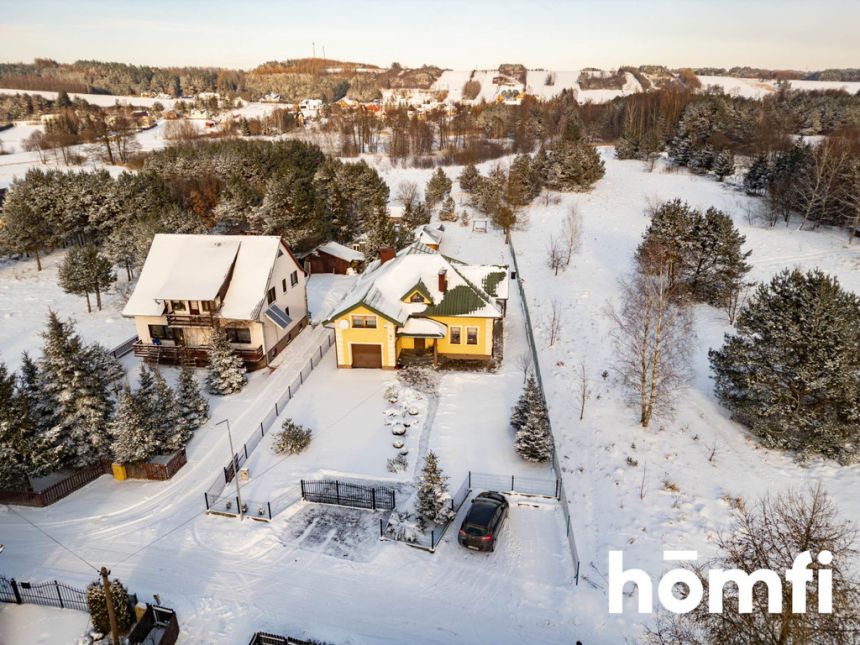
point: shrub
(98, 607)
(292, 440)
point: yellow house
(420, 303)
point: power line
(54, 540)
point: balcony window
(271, 295)
(240, 335)
(160, 332)
(294, 278)
(284, 285)
(178, 305)
(206, 305)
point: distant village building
(430, 235)
(252, 287)
(332, 257)
(310, 108)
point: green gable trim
(358, 304)
(492, 280)
(421, 288)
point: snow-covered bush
(98, 607)
(398, 464)
(404, 527)
(292, 439)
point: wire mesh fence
(214, 496)
(565, 507)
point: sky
(463, 34)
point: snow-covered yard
(26, 296)
(36, 625)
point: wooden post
(114, 630)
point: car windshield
(471, 529)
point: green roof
(459, 301)
(492, 280)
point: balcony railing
(190, 320)
(198, 354)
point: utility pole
(314, 48)
(235, 472)
(114, 631)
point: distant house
(310, 108)
(332, 257)
(419, 302)
(252, 287)
(430, 235)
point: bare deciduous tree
(770, 535)
(554, 322)
(736, 300)
(555, 254)
(571, 231)
(583, 388)
(407, 194)
(525, 362)
(653, 331)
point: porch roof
(423, 328)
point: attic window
(270, 296)
(416, 297)
(280, 252)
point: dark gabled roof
(421, 288)
(459, 301)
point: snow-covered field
(756, 88)
(26, 296)
(37, 625)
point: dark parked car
(480, 529)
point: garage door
(367, 356)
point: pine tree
(756, 178)
(534, 442)
(72, 275)
(193, 406)
(448, 210)
(573, 167)
(438, 186)
(381, 233)
(681, 150)
(77, 401)
(701, 160)
(525, 403)
(131, 431)
(13, 459)
(433, 502)
(226, 368)
(167, 428)
(524, 182)
(724, 164)
(791, 373)
(469, 178)
(26, 228)
(98, 607)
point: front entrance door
(420, 345)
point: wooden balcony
(191, 320)
(198, 355)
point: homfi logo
(798, 576)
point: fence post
(245, 448)
(557, 483)
(301, 378)
(277, 414)
(513, 488)
(269, 505)
(289, 391)
(470, 480)
(373, 498)
(302, 482)
(206, 497)
(59, 595)
(15, 591)
(337, 491)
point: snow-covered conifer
(433, 502)
(193, 405)
(534, 442)
(724, 164)
(525, 403)
(438, 186)
(226, 368)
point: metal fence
(48, 594)
(515, 484)
(265, 638)
(56, 491)
(157, 626)
(571, 540)
(214, 496)
(329, 491)
(124, 348)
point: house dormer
(418, 294)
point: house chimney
(443, 280)
(386, 253)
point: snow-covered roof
(382, 288)
(199, 267)
(492, 278)
(429, 234)
(423, 328)
(340, 251)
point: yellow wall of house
(407, 342)
(382, 335)
(485, 336)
